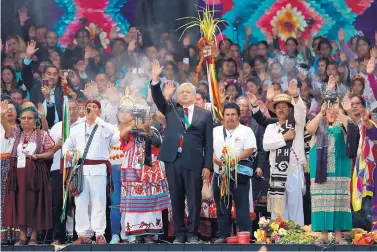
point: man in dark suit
(187, 151)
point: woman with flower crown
(28, 189)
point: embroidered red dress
(28, 191)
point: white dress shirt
(240, 139)
(99, 149)
(56, 134)
(190, 112)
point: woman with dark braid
(28, 189)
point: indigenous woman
(9, 115)
(28, 189)
(144, 187)
(330, 170)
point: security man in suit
(187, 151)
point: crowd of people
(144, 157)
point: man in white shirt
(90, 215)
(57, 176)
(240, 143)
(285, 141)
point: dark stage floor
(198, 247)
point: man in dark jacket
(187, 151)
(52, 100)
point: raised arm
(26, 73)
(4, 121)
(157, 96)
(299, 106)
(312, 126)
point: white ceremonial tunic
(295, 186)
(91, 203)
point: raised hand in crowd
(346, 104)
(169, 89)
(112, 94)
(292, 88)
(23, 16)
(90, 90)
(371, 65)
(270, 93)
(4, 107)
(373, 52)
(252, 99)
(156, 70)
(31, 50)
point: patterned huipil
(144, 192)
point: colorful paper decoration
(105, 13)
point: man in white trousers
(90, 215)
(285, 141)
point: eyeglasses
(27, 118)
(10, 110)
(74, 109)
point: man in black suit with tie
(187, 151)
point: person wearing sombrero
(285, 141)
(88, 148)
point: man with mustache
(285, 141)
(239, 141)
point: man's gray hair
(188, 84)
(244, 98)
